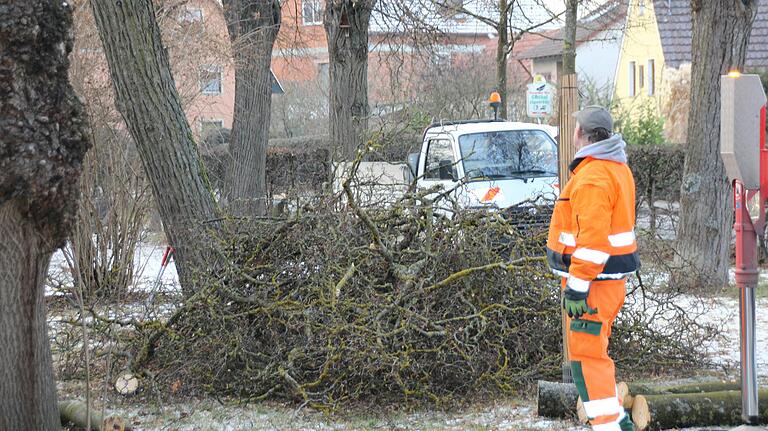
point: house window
(312, 12)
(208, 127)
(210, 80)
(641, 7)
(641, 75)
(191, 15)
(651, 78)
(631, 89)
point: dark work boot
(626, 424)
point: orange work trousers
(593, 371)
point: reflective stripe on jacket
(592, 232)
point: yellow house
(641, 59)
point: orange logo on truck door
(490, 194)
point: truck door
(440, 167)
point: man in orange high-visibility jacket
(591, 244)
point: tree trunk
(28, 391)
(674, 411)
(721, 31)
(253, 27)
(346, 28)
(688, 388)
(559, 400)
(42, 146)
(569, 37)
(147, 99)
(78, 413)
(501, 57)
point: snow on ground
(147, 264)
(726, 350)
(208, 415)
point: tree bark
(253, 26)
(28, 391)
(721, 31)
(502, 54)
(42, 146)
(147, 98)
(674, 411)
(569, 37)
(346, 28)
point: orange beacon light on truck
(495, 101)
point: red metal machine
(742, 136)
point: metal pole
(749, 409)
(746, 279)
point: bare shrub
(675, 96)
(114, 203)
(658, 172)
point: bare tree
(721, 31)
(346, 27)
(569, 37)
(42, 145)
(147, 98)
(253, 26)
(509, 18)
(456, 91)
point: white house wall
(596, 59)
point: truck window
(508, 154)
(440, 161)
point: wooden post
(569, 103)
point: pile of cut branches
(389, 305)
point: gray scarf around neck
(608, 149)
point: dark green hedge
(658, 171)
(292, 164)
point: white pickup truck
(488, 164)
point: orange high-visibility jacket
(592, 233)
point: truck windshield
(508, 154)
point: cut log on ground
(581, 413)
(126, 384)
(668, 411)
(557, 400)
(554, 400)
(625, 395)
(76, 412)
(688, 388)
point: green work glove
(575, 304)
